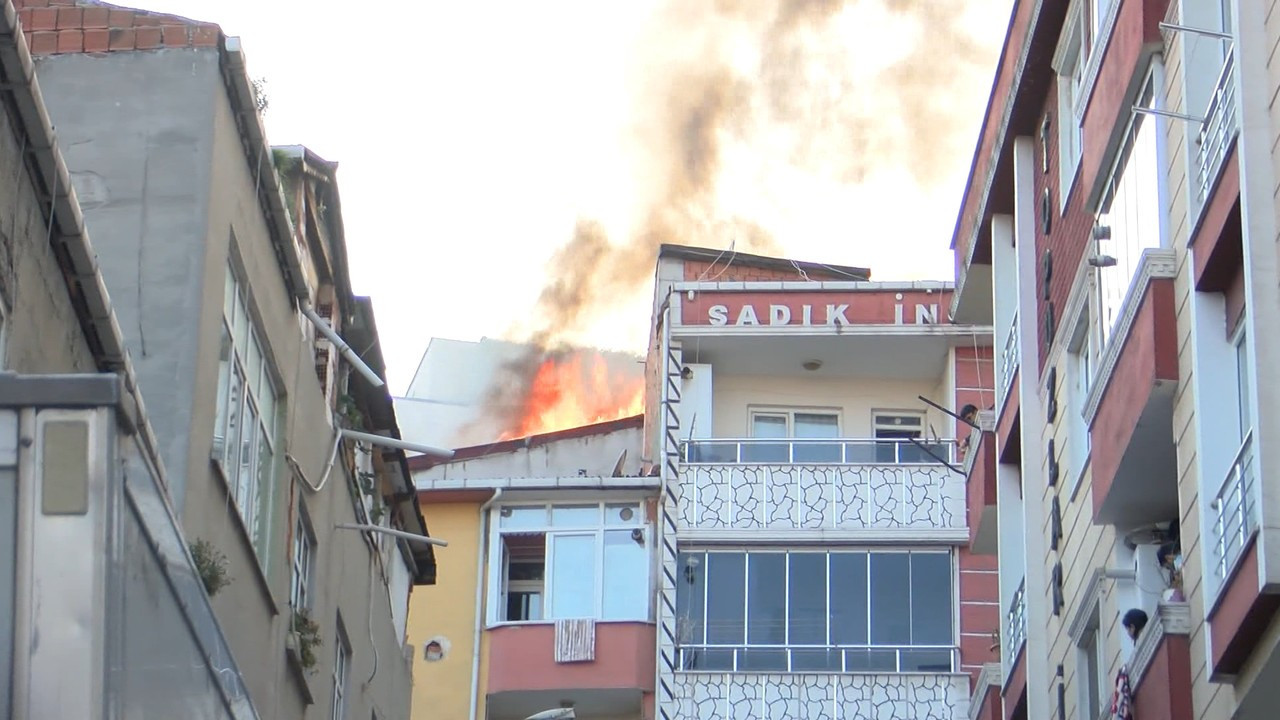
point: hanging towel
(575, 641)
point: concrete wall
(442, 689)
(737, 395)
(141, 171)
(594, 454)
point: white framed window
(303, 562)
(1244, 413)
(805, 424)
(1082, 365)
(1091, 669)
(1099, 10)
(244, 441)
(341, 672)
(816, 611)
(570, 560)
(1069, 62)
(1131, 214)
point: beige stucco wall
(442, 689)
(736, 395)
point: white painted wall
(594, 455)
(697, 403)
(737, 395)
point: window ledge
(242, 533)
(294, 659)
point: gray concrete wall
(135, 131)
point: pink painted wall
(521, 657)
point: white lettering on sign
(835, 315)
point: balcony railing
(1234, 513)
(820, 659)
(1016, 624)
(808, 451)
(1219, 127)
(755, 696)
(820, 485)
(1009, 359)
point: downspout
(475, 641)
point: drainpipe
(475, 655)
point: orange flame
(572, 391)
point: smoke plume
(842, 89)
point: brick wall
(74, 26)
(699, 269)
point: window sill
(294, 659)
(241, 532)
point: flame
(577, 390)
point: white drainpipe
(480, 622)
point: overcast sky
(471, 137)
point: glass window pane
(576, 516)
(767, 599)
(626, 577)
(623, 514)
(931, 661)
(815, 660)
(266, 489)
(761, 659)
(814, 425)
(1242, 387)
(726, 585)
(240, 330)
(267, 407)
(890, 598)
(807, 608)
(931, 599)
(768, 426)
(224, 389)
(246, 496)
(706, 659)
(690, 597)
(229, 295)
(766, 452)
(235, 409)
(573, 576)
(870, 661)
(523, 517)
(254, 365)
(849, 598)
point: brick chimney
(85, 26)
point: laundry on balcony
(575, 640)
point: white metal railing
(1235, 517)
(808, 451)
(820, 658)
(1009, 359)
(1219, 126)
(1016, 624)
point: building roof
(741, 259)
(73, 26)
(423, 462)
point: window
(1130, 212)
(900, 428)
(1244, 412)
(802, 425)
(341, 669)
(304, 550)
(1082, 358)
(840, 611)
(1070, 66)
(245, 433)
(1091, 671)
(572, 561)
(1098, 11)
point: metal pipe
(412, 537)
(343, 348)
(1195, 31)
(479, 621)
(397, 443)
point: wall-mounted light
(811, 365)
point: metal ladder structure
(667, 702)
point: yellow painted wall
(442, 689)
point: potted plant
(305, 636)
(211, 565)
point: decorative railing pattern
(836, 497)
(1235, 517)
(718, 696)
(1015, 631)
(1009, 359)
(1219, 127)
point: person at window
(969, 414)
(1169, 557)
(1134, 621)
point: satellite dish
(617, 467)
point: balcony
(1219, 129)
(980, 487)
(1160, 671)
(1129, 410)
(525, 677)
(720, 696)
(1235, 517)
(821, 486)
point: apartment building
(814, 538)
(226, 263)
(1118, 230)
(545, 594)
(91, 553)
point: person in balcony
(1134, 621)
(1122, 700)
(1169, 557)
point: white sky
(472, 136)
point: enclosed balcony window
(568, 561)
(785, 424)
(835, 612)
